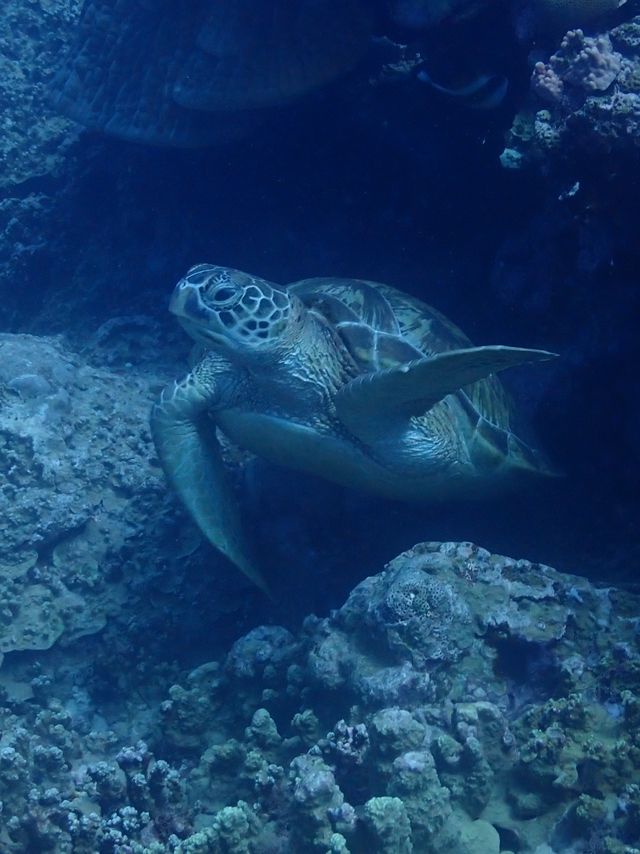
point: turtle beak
(186, 303)
(192, 315)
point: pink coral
(546, 83)
(586, 63)
(589, 62)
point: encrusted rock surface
(76, 472)
(34, 141)
(524, 739)
(82, 498)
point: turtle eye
(224, 295)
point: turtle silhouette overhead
(161, 71)
(350, 380)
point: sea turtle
(162, 71)
(350, 380)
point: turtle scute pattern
(190, 74)
(384, 327)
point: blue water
(395, 183)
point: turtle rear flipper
(369, 405)
(491, 448)
(186, 442)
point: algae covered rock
(444, 619)
(395, 731)
(415, 781)
(78, 486)
(315, 795)
(269, 648)
(415, 612)
(35, 140)
(480, 837)
(388, 824)
(528, 740)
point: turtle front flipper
(368, 405)
(186, 442)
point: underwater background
(467, 698)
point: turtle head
(225, 308)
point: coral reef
(459, 701)
(584, 104)
(526, 738)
